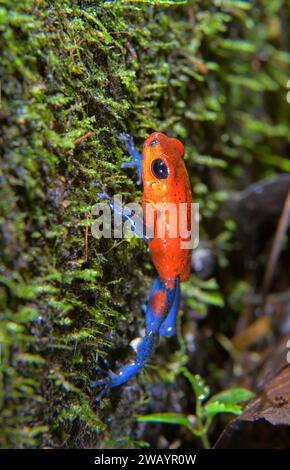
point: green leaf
(237, 45)
(172, 418)
(199, 291)
(26, 314)
(232, 396)
(30, 358)
(216, 407)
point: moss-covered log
(74, 74)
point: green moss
(202, 71)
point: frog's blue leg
(168, 326)
(162, 297)
(134, 223)
(136, 158)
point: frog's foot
(103, 383)
(104, 368)
(105, 386)
(135, 156)
(144, 350)
(102, 193)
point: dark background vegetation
(74, 74)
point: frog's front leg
(129, 217)
(136, 158)
(162, 298)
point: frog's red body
(165, 182)
(170, 259)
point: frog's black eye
(159, 169)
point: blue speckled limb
(134, 223)
(157, 313)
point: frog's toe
(105, 386)
(102, 195)
(104, 367)
(98, 383)
(127, 139)
(102, 393)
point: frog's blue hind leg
(162, 298)
(136, 158)
(168, 326)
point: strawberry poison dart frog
(165, 180)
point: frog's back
(166, 182)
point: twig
(87, 243)
(276, 248)
(82, 137)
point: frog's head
(162, 157)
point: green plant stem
(205, 441)
(202, 428)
